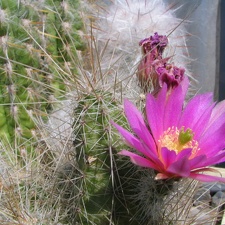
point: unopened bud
(154, 70)
(152, 48)
(170, 74)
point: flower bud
(170, 74)
(154, 70)
(152, 48)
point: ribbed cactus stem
(94, 157)
(95, 144)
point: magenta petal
(213, 140)
(218, 110)
(173, 108)
(198, 162)
(137, 124)
(135, 143)
(215, 126)
(201, 124)
(194, 110)
(138, 160)
(206, 178)
(184, 153)
(174, 104)
(154, 114)
(180, 167)
(184, 84)
(214, 159)
(155, 111)
(219, 160)
(168, 156)
(153, 157)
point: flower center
(178, 140)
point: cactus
(104, 180)
(95, 157)
(39, 44)
(90, 184)
(108, 189)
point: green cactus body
(110, 189)
(35, 46)
(94, 153)
(107, 183)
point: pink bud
(154, 70)
(170, 74)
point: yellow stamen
(177, 140)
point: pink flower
(177, 141)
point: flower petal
(184, 153)
(138, 160)
(180, 167)
(194, 110)
(168, 156)
(206, 178)
(173, 107)
(198, 162)
(201, 124)
(218, 110)
(185, 84)
(161, 176)
(213, 140)
(137, 124)
(155, 111)
(214, 160)
(136, 143)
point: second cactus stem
(95, 160)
